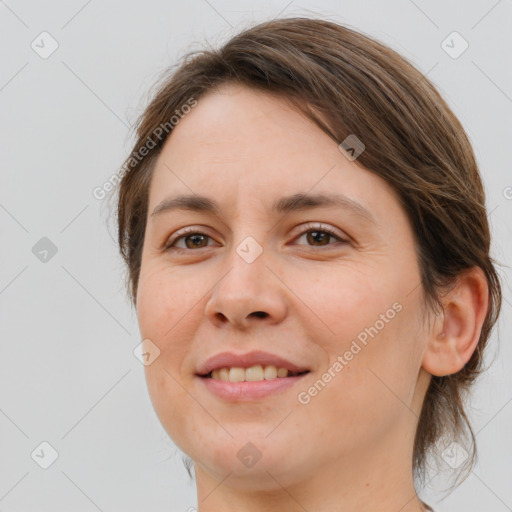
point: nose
(247, 294)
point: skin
(350, 447)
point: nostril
(260, 314)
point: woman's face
(251, 276)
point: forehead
(236, 122)
(245, 146)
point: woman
(304, 227)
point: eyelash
(319, 228)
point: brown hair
(413, 141)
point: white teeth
(270, 372)
(251, 374)
(282, 372)
(236, 374)
(254, 373)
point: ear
(456, 331)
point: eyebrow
(292, 203)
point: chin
(253, 465)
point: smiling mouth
(256, 373)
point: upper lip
(257, 357)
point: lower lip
(240, 391)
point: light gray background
(68, 373)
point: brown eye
(192, 240)
(196, 240)
(319, 236)
(316, 236)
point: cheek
(343, 300)
(366, 318)
(165, 311)
(373, 391)
(169, 400)
(164, 300)
(161, 305)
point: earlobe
(456, 331)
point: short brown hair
(412, 140)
